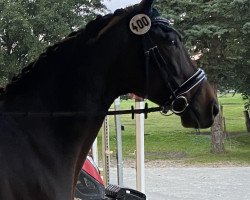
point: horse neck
(84, 88)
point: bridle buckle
(179, 105)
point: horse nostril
(215, 109)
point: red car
(90, 186)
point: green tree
(29, 26)
(218, 31)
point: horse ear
(147, 5)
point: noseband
(177, 102)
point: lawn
(165, 138)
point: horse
(52, 110)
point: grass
(166, 139)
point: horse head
(160, 67)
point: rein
(132, 111)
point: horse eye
(172, 43)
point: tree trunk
(247, 120)
(218, 136)
(217, 133)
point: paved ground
(191, 183)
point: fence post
(223, 121)
(106, 151)
(140, 155)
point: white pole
(140, 156)
(119, 143)
(95, 152)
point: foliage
(246, 98)
(219, 31)
(28, 26)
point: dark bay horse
(43, 144)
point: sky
(115, 4)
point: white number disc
(140, 24)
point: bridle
(177, 101)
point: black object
(118, 193)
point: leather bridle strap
(189, 84)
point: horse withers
(52, 111)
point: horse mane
(83, 35)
